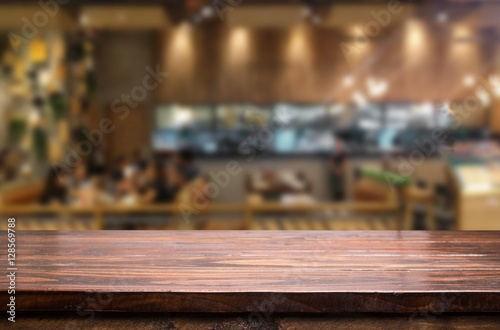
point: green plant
(58, 105)
(16, 130)
(91, 82)
(40, 145)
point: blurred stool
(412, 196)
(445, 212)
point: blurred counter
(475, 176)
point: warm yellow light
(182, 41)
(238, 45)
(239, 38)
(415, 36)
(180, 54)
(298, 48)
(357, 31)
(416, 39)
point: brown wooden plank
(266, 319)
(227, 271)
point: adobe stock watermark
(94, 302)
(31, 26)
(371, 29)
(261, 312)
(201, 197)
(122, 106)
(222, 179)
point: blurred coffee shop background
(233, 114)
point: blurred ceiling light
(238, 45)
(469, 80)
(207, 11)
(348, 81)
(298, 47)
(442, 17)
(181, 47)
(182, 37)
(239, 39)
(376, 88)
(415, 35)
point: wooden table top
(241, 271)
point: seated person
(97, 160)
(81, 191)
(153, 188)
(56, 190)
(185, 166)
(140, 159)
(120, 168)
(338, 165)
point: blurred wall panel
(266, 16)
(130, 134)
(121, 61)
(495, 118)
(124, 17)
(13, 18)
(306, 64)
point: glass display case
(294, 129)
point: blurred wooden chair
(22, 194)
(412, 196)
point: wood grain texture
(241, 271)
(252, 321)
